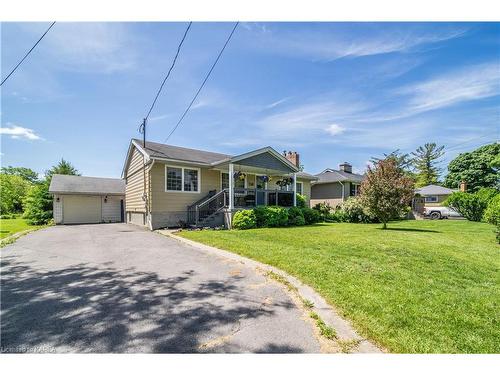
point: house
(170, 186)
(431, 196)
(335, 186)
(85, 200)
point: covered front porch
(260, 178)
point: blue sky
(333, 92)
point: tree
(63, 167)
(386, 192)
(13, 189)
(38, 204)
(403, 161)
(425, 160)
(26, 173)
(477, 168)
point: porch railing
(262, 197)
(207, 207)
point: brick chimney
(345, 167)
(463, 186)
(292, 157)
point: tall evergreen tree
(63, 167)
(425, 161)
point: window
(239, 184)
(174, 179)
(299, 188)
(260, 184)
(190, 179)
(224, 180)
(431, 198)
(354, 190)
(182, 179)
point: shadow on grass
(410, 230)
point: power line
(457, 145)
(203, 83)
(32, 48)
(169, 70)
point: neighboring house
(170, 186)
(86, 200)
(430, 196)
(335, 186)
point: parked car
(436, 213)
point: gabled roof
(434, 190)
(162, 151)
(86, 185)
(330, 175)
(153, 150)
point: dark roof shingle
(86, 185)
(333, 175)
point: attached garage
(87, 200)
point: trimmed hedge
(295, 216)
(244, 219)
(272, 217)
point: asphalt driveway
(119, 288)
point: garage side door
(81, 209)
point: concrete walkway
(119, 288)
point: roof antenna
(142, 130)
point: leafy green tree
(386, 192)
(13, 189)
(425, 160)
(38, 204)
(28, 174)
(479, 168)
(63, 167)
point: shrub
(470, 206)
(295, 216)
(38, 205)
(260, 216)
(492, 212)
(301, 200)
(311, 216)
(336, 216)
(276, 217)
(486, 195)
(352, 211)
(324, 210)
(244, 219)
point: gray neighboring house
(431, 196)
(335, 186)
(87, 200)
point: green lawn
(418, 287)
(10, 226)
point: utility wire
(169, 71)
(32, 48)
(203, 83)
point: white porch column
(231, 186)
(295, 189)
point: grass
(420, 287)
(8, 227)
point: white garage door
(81, 209)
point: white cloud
(87, 46)
(276, 103)
(18, 132)
(476, 82)
(334, 129)
(339, 41)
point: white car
(436, 213)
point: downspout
(148, 205)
